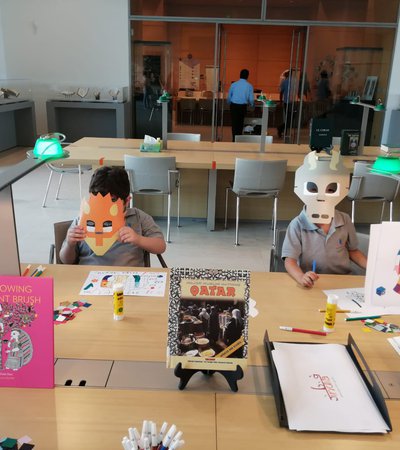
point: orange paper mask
(102, 219)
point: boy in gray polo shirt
(321, 239)
(139, 233)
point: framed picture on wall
(369, 88)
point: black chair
(276, 264)
(60, 231)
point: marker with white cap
(168, 438)
(176, 445)
(163, 429)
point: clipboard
(356, 356)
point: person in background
(286, 99)
(241, 94)
(139, 233)
(323, 89)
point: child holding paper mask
(108, 232)
(320, 235)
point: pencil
(26, 271)
(39, 272)
(350, 319)
(33, 274)
(339, 310)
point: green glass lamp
(49, 146)
(386, 165)
(165, 97)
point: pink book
(26, 332)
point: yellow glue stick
(330, 314)
(118, 301)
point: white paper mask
(321, 183)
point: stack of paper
(323, 390)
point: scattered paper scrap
(381, 325)
(67, 311)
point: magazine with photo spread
(208, 318)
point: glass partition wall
(196, 59)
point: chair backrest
(188, 104)
(254, 138)
(276, 264)
(150, 175)
(367, 185)
(257, 177)
(60, 233)
(207, 94)
(363, 244)
(184, 137)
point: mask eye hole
(331, 188)
(107, 226)
(311, 187)
(90, 226)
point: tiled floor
(192, 245)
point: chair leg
(382, 210)
(169, 218)
(275, 213)
(237, 220)
(47, 189)
(59, 185)
(226, 207)
(178, 223)
(352, 210)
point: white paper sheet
(323, 390)
(146, 284)
(354, 300)
(382, 282)
(395, 342)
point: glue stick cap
(118, 287)
(332, 299)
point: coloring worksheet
(142, 284)
(382, 282)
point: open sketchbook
(320, 387)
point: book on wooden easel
(208, 319)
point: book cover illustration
(208, 318)
(26, 332)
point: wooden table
(211, 157)
(93, 418)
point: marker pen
(168, 437)
(137, 435)
(133, 439)
(144, 432)
(177, 444)
(146, 443)
(154, 436)
(314, 265)
(176, 438)
(163, 429)
(126, 443)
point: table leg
(211, 199)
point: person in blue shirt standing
(241, 94)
